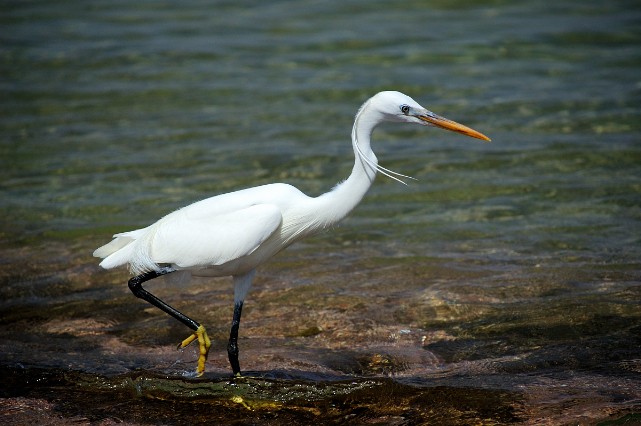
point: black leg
(135, 285)
(232, 346)
(200, 334)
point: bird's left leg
(232, 346)
(135, 285)
(242, 284)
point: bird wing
(190, 239)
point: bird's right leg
(200, 334)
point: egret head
(398, 107)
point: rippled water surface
(504, 287)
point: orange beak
(446, 124)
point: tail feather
(112, 246)
(118, 251)
(118, 258)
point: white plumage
(233, 233)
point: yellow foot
(203, 344)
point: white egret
(232, 234)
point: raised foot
(203, 344)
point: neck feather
(341, 200)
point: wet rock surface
(54, 395)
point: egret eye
(405, 109)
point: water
(503, 287)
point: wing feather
(192, 241)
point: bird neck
(365, 161)
(341, 200)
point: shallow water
(502, 287)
